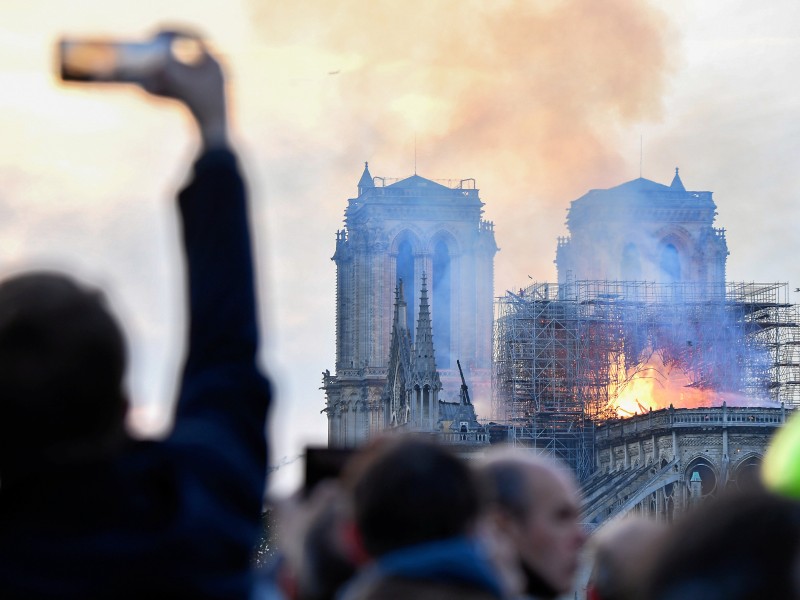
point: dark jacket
(175, 518)
(454, 569)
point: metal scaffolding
(561, 351)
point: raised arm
(220, 418)
(197, 82)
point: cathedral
(432, 237)
(641, 284)
(643, 231)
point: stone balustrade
(677, 418)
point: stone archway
(705, 469)
(747, 472)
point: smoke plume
(529, 98)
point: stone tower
(643, 231)
(399, 231)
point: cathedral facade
(423, 233)
(643, 231)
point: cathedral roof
(639, 185)
(455, 412)
(366, 180)
(677, 184)
(415, 181)
(640, 188)
(645, 198)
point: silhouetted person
(86, 512)
(622, 553)
(314, 561)
(742, 546)
(415, 507)
(533, 503)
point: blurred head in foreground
(415, 509)
(62, 361)
(533, 502)
(410, 490)
(622, 553)
(315, 559)
(740, 546)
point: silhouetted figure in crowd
(314, 560)
(622, 553)
(325, 564)
(741, 546)
(85, 511)
(415, 507)
(533, 503)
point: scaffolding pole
(560, 352)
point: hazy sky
(537, 100)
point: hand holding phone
(113, 61)
(172, 64)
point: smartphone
(109, 60)
(323, 463)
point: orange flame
(652, 386)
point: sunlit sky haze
(539, 101)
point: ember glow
(654, 385)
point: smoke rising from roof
(525, 97)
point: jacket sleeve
(223, 400)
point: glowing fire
(653, 385)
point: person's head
(622, 552)
(62, 361)
(314, 555)
(326, 565)
(410, 490)
(533, 502)
(740, 546)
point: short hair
(505, 480)
(410, 490)
(62, 360)
(505, 486)
(623, 551)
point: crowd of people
(86, 511)
(408, 518)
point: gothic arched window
(670, 264)
(405, 271)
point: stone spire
(425, 362)
(400, 307)
(394, 399)
(677, 184)
(366, 181)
